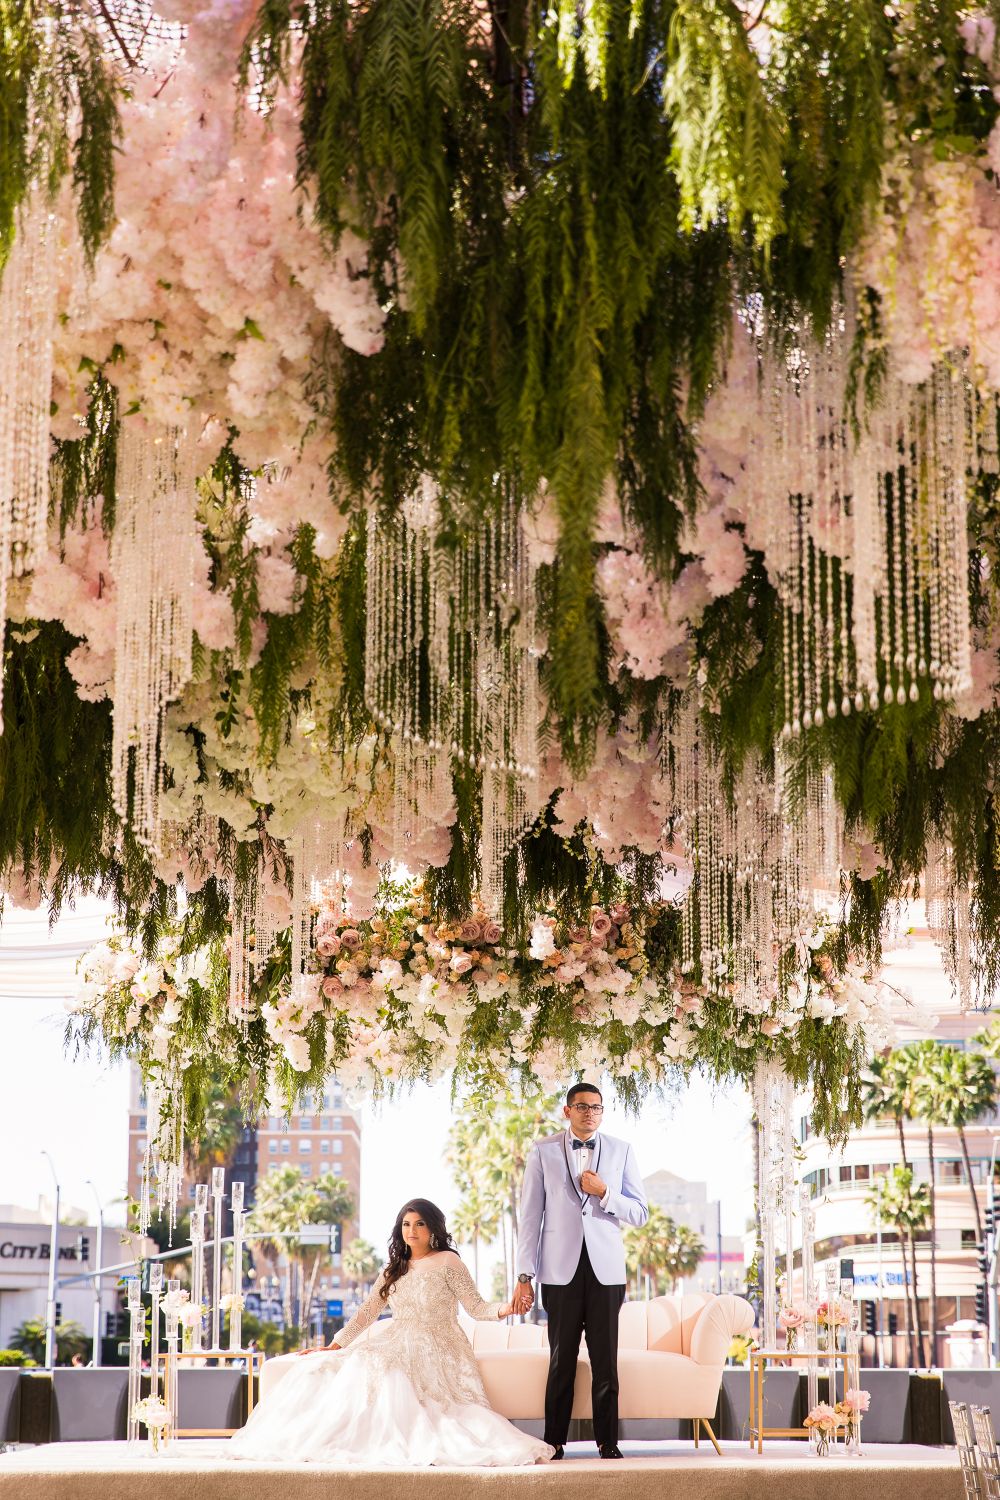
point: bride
(409, 1393)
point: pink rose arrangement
(822, 1423)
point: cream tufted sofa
(671, 1351)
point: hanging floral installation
(513, 467)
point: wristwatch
(524, 1278)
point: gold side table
(825, 1359)
(254, 1361)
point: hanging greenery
(548, 449)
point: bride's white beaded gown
(407, 1395)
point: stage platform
(195, 1469)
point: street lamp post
(50, 1301)
(993, 1311)
(879, 1289)
(97, 1275)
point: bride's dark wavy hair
(399, 1250)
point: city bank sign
(13, 1250)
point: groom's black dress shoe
(611, 1450)
(559, 1453)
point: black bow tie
(582, 1145)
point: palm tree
(906, 1205)
(888, 1090)
(928, 1063)
(684, 1254)
(487, 1151)
(360, 1262)
(285, 1203)
(662, 1250)
(968, 1091)
(221, 1131)
(476, 1218)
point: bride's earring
(434, 1243)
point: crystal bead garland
(244, 909)
(451, 671)
(755, 861)
(152, 554)
(866, 542)
(315, 849)
(27, 315)
(948, 902)
(507, 695)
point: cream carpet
(195, 1469)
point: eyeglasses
(589, 1109)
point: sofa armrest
(720, 1321)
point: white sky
(78, 1110)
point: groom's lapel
(574, 1184)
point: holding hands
(523, 1298)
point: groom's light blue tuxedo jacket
(558, 1217)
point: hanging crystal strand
(244, 912)
(508, 707)
(152, 555)
(987, 430)
(27, 317)
(953, 399)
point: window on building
(272, 1146)
(969, 1241)
(141, 1122)
(274, 1166)
(950, 1171)
(286, 1147)
(337, 1122)
(324, 1146)
(804, 1129)
(338, 1147)
(881, 1169)
(305, 1122)
(845, 1174)
(306, 1169)
(191, 1191)
(305, 1146)
(325, 1123)
(862, 1173)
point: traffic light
(982, 1311)
(982, 1261)
(336, 1235)
(83, 1247)
(893, 1324)
(869, 1310)
(989, 1220)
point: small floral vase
(187, 1336)
(791, 1339)
(156, 1439)
(822, 1443)
(852, 1439)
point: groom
(579, 1188)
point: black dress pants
(583, 1305)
